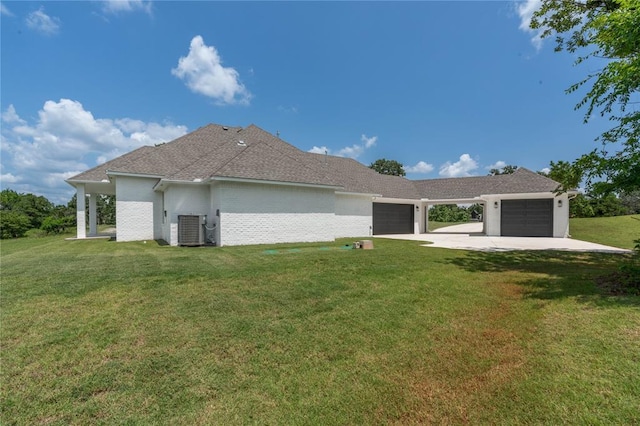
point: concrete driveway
(468, 236)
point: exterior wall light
(559, 203)
(495, 204)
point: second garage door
(527, 218)
(392, 218)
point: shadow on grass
(566, 274)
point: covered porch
(478, 227)
(89, 191)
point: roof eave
(274, 182)
(129, 174)
(360, 194)
(73, 182)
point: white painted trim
(160, 185)
(274, 182)
(357, 194)
(521, 195)
(138, 175)
(387, 200)
(453, 200)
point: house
(236, 186)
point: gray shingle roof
(522, 181)
(99, 173)
(252, 153)
(355, 177)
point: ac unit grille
(190, 232)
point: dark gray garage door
(527, 218)
(392, 218)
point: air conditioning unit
(190, 230)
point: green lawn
(433, 225)
(618, 231)
(97, 332)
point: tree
(8, 198)
(105, 208)
(631, 201)
(568, 175)
(506, 170)
(608, 29)
(36, 208)
(448, 213)
(388, 167)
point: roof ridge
(223, 165)
(315, 171)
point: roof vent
(241, 143)
(225, 128)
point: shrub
(56, 225)
(13, 224)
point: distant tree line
(22, 213)
(455, 213)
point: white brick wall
(353, 216)
(261, 214)
(135, 200)
(249, 213)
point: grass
(97, 332)
(618, 231)
(437, 225)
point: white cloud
(203, 73)
(43, 23)
(462, 167)
(118, 6)
(290, 110)
(66, 139)
(497, 165)
(320, 150)
(353, 151)
(421, 167)
(8, 178)
(525, 11)
(546, 170)
(4, 10)
(369, 142)
(11, 117)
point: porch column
(80, 214)
(93, 218)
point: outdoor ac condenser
(190, 230)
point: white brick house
(246, 186)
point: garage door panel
(527, 218)
(392, 218)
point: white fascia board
(165, 183)
(358, 194)
(273, 182)
(140, 175)
(388, 200)
(74, 182)
(453, 200)
(521, 195)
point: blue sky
(446, 88)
